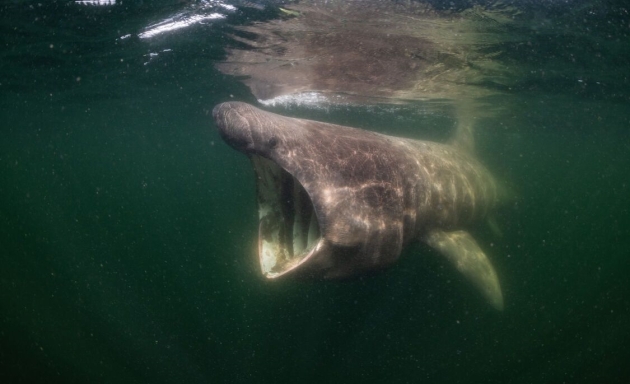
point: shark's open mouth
(288, 227)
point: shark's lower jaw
(288, 230)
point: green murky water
(127, 227)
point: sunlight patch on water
(307, 99)
(198, 13)
(177, 22)
(96, 2)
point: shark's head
(329, 198)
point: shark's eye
(272, 142)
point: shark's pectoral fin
(462, 250)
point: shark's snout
(248, 129)
(234, 127)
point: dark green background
(127, 227)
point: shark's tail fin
(506, 191)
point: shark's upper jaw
(289, 230)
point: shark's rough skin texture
(336, 202)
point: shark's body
(336, 201)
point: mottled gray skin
(371, 194)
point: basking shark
(336, 202)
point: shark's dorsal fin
(462, 250)
(464, 139)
